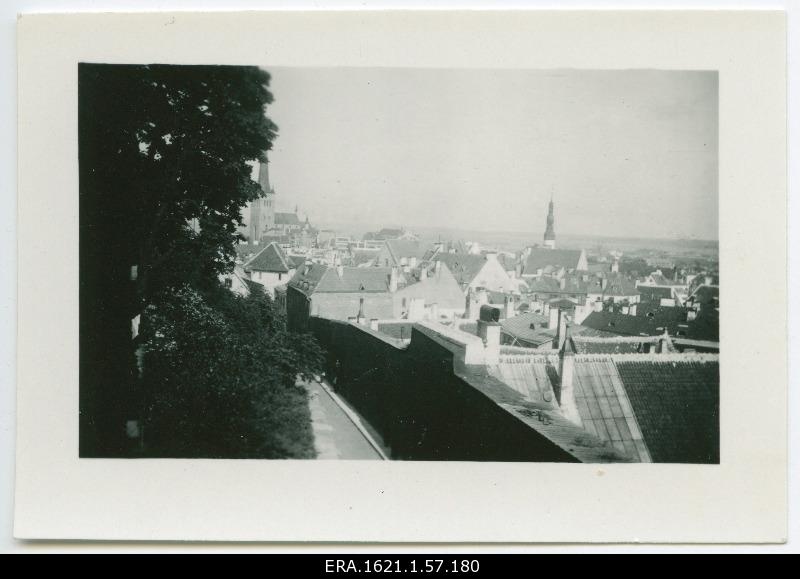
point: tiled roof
(269, 259)
(677, 407)
(317, 278)
(604, 407)
(651, 320)
(648, 407)
(464, 267)
(540, 258)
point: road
(336, 434)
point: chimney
(468, 304)
(598, 305)
(373, 324)
(562, 283)
(509, 306)
(423, 273)
(566, 378)
(339, 270)
(393, 280)
(561, 333)
(665, 345)
(360, 317)
(553, 318)
(615, 266)
(489, 332)
(518, 270)
(437, 267)
(709, 280)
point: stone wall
(417, 402)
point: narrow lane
(336, 436)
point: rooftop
(540, 258)
(270, 259)
(318, 278)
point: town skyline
(396, 146)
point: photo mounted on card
(398, 276)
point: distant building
(270, 268)
(389, 233)
(473, 272)
(404, 253)
(538, 261)
(340, 293)
(258, 216)
(550, 232)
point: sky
(623, 153)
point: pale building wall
(270, 280)
(493, 277)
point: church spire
(263, 175)
(550, 232)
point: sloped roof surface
(317, 278)
(270, 259)
(540, 258)
(677, 407)
(405, 248)
(604, 407)
(286, 219)
(463, 266)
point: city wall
(422, 408)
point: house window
(280, 275)
(228, 282)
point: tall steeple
(263, 176)
(262, 210)
(550, 232)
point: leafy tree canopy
(163, 145)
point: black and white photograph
(366, 278)
(404, 264)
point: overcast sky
(624, 153)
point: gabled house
(403, 253)
(535, 260)
(474, 272)
(340, 293)
(270, 267)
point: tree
(220, 378)
(159, 146)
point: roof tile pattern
(677, 407)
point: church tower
(550, 232)
(260, 212)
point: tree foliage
(160, 148)
(163, 145)
(220, 378)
